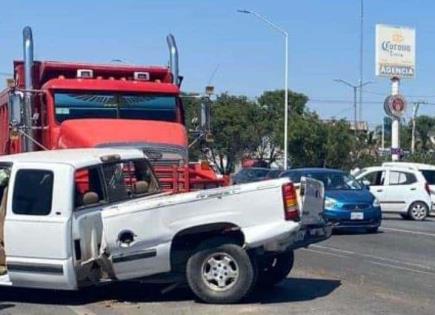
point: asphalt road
(391, 272)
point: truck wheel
(221, 274)
(274, 269)
(418, 211)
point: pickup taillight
(291, 210)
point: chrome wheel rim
(220, 271)
(418, 211)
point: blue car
(348, 203)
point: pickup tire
(220, 274)
(274, 269)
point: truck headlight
(376, 203)
(330, 203)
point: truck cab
(59, 105)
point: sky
(237, 53)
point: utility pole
(395, 123)
(355, 91)
(361, 57)
(414, 116)
(383, 134)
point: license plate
(357, 216)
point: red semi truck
(57, 105)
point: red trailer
(58, 105)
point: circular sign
(395, 105)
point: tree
(233, 130)
(339, 144)
(192, 107)
(423, 125)
(270, 121)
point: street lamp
(355, 90)
(283, 32)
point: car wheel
(221, 274)
(274, 269)
(418, 211)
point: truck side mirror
(15, 106)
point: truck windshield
(81, 105)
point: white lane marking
(389, 260)
(348, 252)
(408, 231)
(402, 268)
(81, 310)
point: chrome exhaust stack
(173, 59)
(28, 86)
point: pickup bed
(74, 218)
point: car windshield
(81, 105)
(331, 180)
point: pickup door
(38, 227)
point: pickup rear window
(33, 192)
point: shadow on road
(292, 289)
(359, 231)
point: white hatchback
(400, 189)
(427, 170)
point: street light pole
(361, 57)
(355, 91)
(285, 33)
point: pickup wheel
(221, 274)
(274, 269)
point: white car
(400, 189)
(427, 170)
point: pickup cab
(79, 217)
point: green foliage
(423, 125)
(254, 129)
(233, 130)
(421, 157)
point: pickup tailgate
(311, 196)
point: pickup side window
(129, 179)
(88, 187)
(33, 192)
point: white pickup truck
(74, 218)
